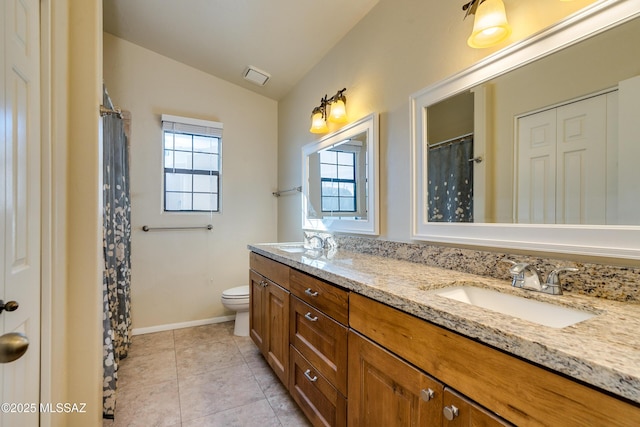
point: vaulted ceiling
(285, 38)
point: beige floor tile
(206, 356)
(287, 411)
(269, 383)
(255, 414)
(144, 345)
(146, 406)
(214, 332)
(215, 391)
(201, 376)
(245, 344)
(155, 368)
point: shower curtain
(117, 249)
(450, 182)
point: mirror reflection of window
(339, 180)
(338, 177)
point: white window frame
(195, 127)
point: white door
(20, 207)
(562, 163)
(536, 188)
(581, 180)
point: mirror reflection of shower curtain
(450, 182)
(117, 252)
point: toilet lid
(237, 292)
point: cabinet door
(257, 318)
(384, 390)
(277, 326)
(459, 411)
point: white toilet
(237, 299)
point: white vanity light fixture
(334, 109)
(490, 26)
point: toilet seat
(239, 292)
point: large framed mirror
(537, 146)
(340, 180)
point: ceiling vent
(256, 76)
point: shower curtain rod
(451, 141)
(104, 111)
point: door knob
(8, 306)
(12, 346)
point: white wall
(179, 276)
(400, 47)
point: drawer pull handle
(308, 317)
(450, 412)
(307, 374)
(427, 394)
(263, 283)
(311, 293)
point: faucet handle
(552, 285)
(518, 268)
(553, 279)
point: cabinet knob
(311, 293)
(427, 394)
(264, 284)
(311, 319)
(450, 412)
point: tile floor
(200, 377)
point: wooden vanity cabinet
(269, 312)
(384, 390)
(318, 355)
(458, 411)
(514, 389)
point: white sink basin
(542, 313)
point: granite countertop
(603, 351)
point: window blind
(191, 126)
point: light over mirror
(340, 180)
(543, 155)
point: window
(338, 176)
(192, 159)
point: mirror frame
(594, 240)
(371, 225)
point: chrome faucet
(527, 276)
(553, 284)
(320, 240)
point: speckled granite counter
(603, 351)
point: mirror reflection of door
(450, 127)
(562, 168)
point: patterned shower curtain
(117, 250)
(450, 182)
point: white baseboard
(172, 326)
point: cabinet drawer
(272, 270)
(328, 298)
(321, 340)
(319, 400)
